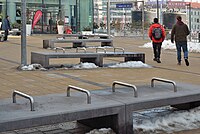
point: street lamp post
(23, 35)
(108, 18)
(157, 6)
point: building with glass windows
(76, 14)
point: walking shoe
(179, 63)
(158, 60)
(187, 62)
(154, 59)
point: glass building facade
(76, 14)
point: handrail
(81, 90)
(125, 84)
(15, 92)
(80, 48)
(119, 48)
(163, 80)
(101, 48)
(59, 48)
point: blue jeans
(183, 45)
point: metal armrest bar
(120, 48)
(25, 96)
(81, 90)
(163, 80)
(80, 48)
(125, 84)
(59, 48)
(100, 48)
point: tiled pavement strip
(55, 81)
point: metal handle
(100, 48)
(163, 80)
(125, 84)
(80, 48)
(25, 96)
(120, 48)
(59, 48)
(81, 90)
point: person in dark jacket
(180, 31)
(157, 43)
(6, 27)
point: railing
(120, 48)
(81, 90)
(81, 48)
(101, 49)
(164, 80)
(59, 48)
(25, 96)
(125, 84)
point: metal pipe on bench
(100, 48)
(80, 48)
(125, 84)
(119, 48)
(25, 96)
(81, 90)
(163, 80)
(59, 48)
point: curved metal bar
(125, 84)
(59, 48)
(163, 80)
(81, 90)
(120, 48)
(25, 96)
(100, 48)
(80, 48)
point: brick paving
(56, 80)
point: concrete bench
(96, 58)
(113, 109)
(77, 42)
(82, 36)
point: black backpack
(157, 33)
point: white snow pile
(192, 46)
(102, 131)
(168, 123)
(85, 66)
(32, 67)
(130, 64)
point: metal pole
(190, 25)
(108, 18)
(143, 18)
(6, 7)
(23, 34)
(157, 5)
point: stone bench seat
(76, 43)
(96, 58)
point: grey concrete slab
(56, 108)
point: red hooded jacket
(156, 25)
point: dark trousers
(157, 49)
(6, 35)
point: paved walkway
(55, 81)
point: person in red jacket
(157, 35)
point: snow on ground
(166, 120)
(130, 64)
(192, 46)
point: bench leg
(46, 43)
(78, 44)
(38, 59)
(138, 57)
(97, 61)
(106, 44)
